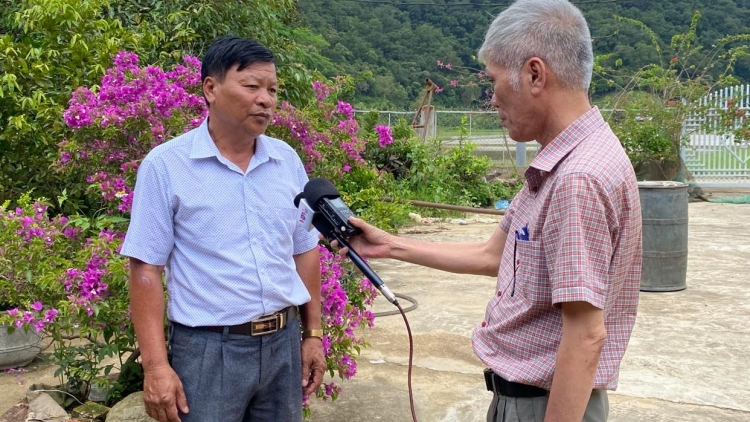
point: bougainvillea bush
(74, 283)
(69, 288)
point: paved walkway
(687, 361)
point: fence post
(520, 154)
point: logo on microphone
(306, 214)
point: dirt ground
(687, 360)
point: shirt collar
(565, 142)
(204, 146)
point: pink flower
(13, 312)
(345, 108)
(50, 315)
(385, 135)
(454, 82)
(37, 306)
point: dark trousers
(239, 378)
(532, 409)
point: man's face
(514, 108)
(245, 100)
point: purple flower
(385, 135)
(321, 90)
(13, 312)
(37, 306)
(345, 108)
(50, 315)
(65, 157)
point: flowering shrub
(658, 98)
(333, 145)
(136, 108)
(28, 238)
(729, 116)
(345, 296)
(64, 286)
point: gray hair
(553, 30)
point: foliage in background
(332, 145)
(391, 47)
(187, 27)
(73, 289)
(657, 99)
(729, 116)
(48, 48)
(426, 171)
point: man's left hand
(313, 365)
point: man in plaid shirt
(567, 255)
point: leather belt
(499, 385)
(262, 326)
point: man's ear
(537, 74)
(209, 89)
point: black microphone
(331, 219)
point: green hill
(390, 47)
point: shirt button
(484, 323)
(499, 293)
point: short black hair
(226, 52)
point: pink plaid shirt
(582, 210)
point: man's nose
(493, 101)
(264, 98)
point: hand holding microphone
(321, 206)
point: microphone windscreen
(298, 198)
(317, 189)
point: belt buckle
(267, 325)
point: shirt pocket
(279, 225)
(532, 277)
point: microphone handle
(366, 270)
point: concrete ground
(687, 361)
(688, 358)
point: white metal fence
(712, 153)
(481, 128)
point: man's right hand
(372, 243)
(163, 394)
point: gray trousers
(239, 378)
(510, 409)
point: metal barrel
(664, 210)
